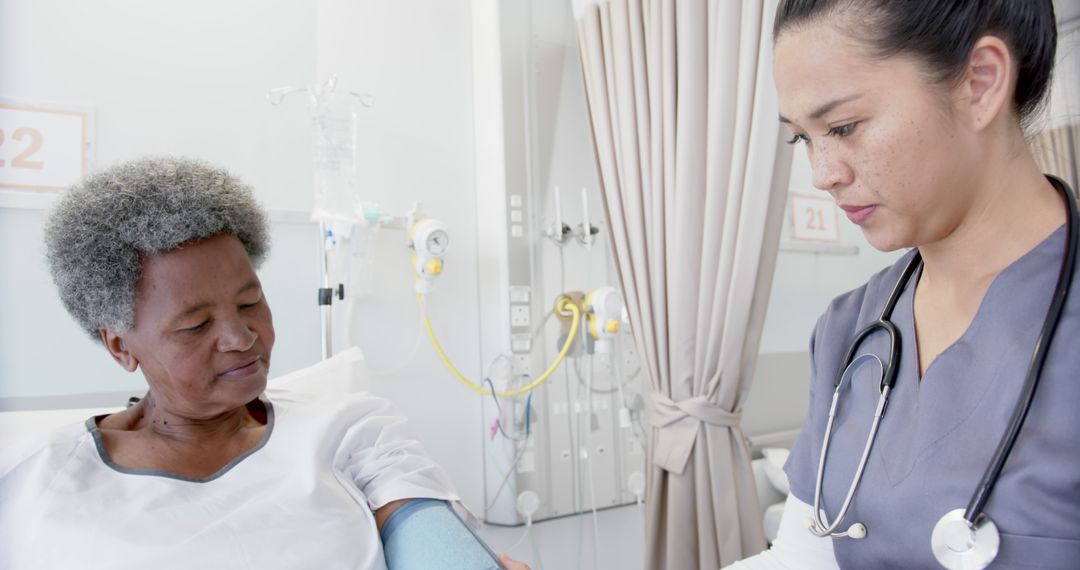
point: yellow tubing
(562, 304)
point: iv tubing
(589, 465)
(563, 304)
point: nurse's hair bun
(102, 228)
(942, 34)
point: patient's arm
(795, 547)
(512, 564)
(383, 513)
(428, 533)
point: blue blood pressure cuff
(427, 533)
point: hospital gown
(938, 434)
(302, 499)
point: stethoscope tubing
(1038, 360)
(823, 528)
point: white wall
(179, 78)
(415, 58)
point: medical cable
(579, 483)
(509, 472)
(562, 304)
(589, 466)
(524, 535)
(573, 441)
(536, 552)
(615, 387)
(616, 368)
(579, 469)
(575, 455)
(522, 441)
(575, 486)
(540, 328)
(586, 436)
(498, 407)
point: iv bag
(335, 134)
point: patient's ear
(114, 343)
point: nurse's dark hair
(103, 227)
(941, 34)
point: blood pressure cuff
(427, 533)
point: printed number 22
(812, 214)
(23, 159)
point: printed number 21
(23, 160)
(812, 214)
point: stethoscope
(962, 538)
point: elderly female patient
(156, 260)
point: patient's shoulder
(46, 450)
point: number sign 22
(42, 148)
(23, 159)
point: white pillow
(22, 432)
(343, 373)
(773, 466)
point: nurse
(913, 116)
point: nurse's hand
(511, 564)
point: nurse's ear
(118, 349)
(985, 90)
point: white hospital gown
(302, 499)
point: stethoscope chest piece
(960, 545)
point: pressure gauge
(430, 242)
(437, 242)
(430, 239)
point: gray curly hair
(103, 227)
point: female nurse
(913, 115)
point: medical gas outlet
(603, 309)
(429, 241)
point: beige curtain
(694, 177)
(1057, 146)
(1058, 152)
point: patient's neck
(153, 417)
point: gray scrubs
(938, 435)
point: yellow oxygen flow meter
(429, 241)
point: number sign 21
(814, 219)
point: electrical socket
(519, 315)
(631, 360)
(522, 365)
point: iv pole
(327, 239)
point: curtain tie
(677, 425)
